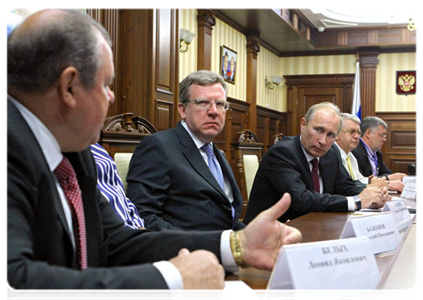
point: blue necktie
(215, 169)
(214, 165)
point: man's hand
(378, 181)
(265, 235)
(396, 185)
(371, 197)
(200, 269)
(397, 176)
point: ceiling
(279, 36)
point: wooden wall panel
(400, 147)
(269, 124)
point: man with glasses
(306, 167)
(178, 178)
(348, 140)
(368, 151)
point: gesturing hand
(265, 235)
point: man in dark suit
(368, 151)
(286, 168)
(169, 177)
(63, 233)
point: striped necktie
(214, 165)
(67, 178)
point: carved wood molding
(306, 80)
(126, 128)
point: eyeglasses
(353, 131)
(206, 104)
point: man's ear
(181, 110)
(303, 124)
(68, 83)
(367, 134)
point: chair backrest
(246, 149)
(251, 165)
(122, 161)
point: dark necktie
(69, 183)
(315, 174)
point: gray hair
(37, 55)
(372, 123)
(354, 118)
(312, 110)
(203, 78)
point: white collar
(197, 141)
(48, 143)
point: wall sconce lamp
(272, 82)
(411, 25)
(185, 38)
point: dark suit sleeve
(39, 252)
(149, 181)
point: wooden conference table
(397, 268)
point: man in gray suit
(171, 178)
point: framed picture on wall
(228, 62)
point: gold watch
(236, 249)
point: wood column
(205, 23)
(368, 64)
(252, 49)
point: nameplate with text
(409, 191)
(381, 230)
(399, 210)
(335, 264)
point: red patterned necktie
(315, 175)
(67, 179)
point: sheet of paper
(238, 290)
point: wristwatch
(235, 242)
(357, 201)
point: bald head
(49, 41)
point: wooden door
(306, 90)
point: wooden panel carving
(307, 90)
(122, 133)
(269, 124)
(400, 147)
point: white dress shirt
(354, 165)
(53, 155)
(200, 144)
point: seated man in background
(348, 139)
(306, 167)
(368, 154)
(178, 178)
(61, 233)
(111, 187)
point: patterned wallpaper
(272, 65)
(386, 98)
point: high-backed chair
(278, 137)
(120, 136)
(246, 154)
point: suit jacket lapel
(304, 162)
(192, 154)
(27, 134)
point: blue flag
(356, 105)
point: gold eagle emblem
(406, 82)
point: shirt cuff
(171, 274)
(228, 261)
(351, 204)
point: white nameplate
(409, 191)
(381, 230)
(399, 210)
(335, 264)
